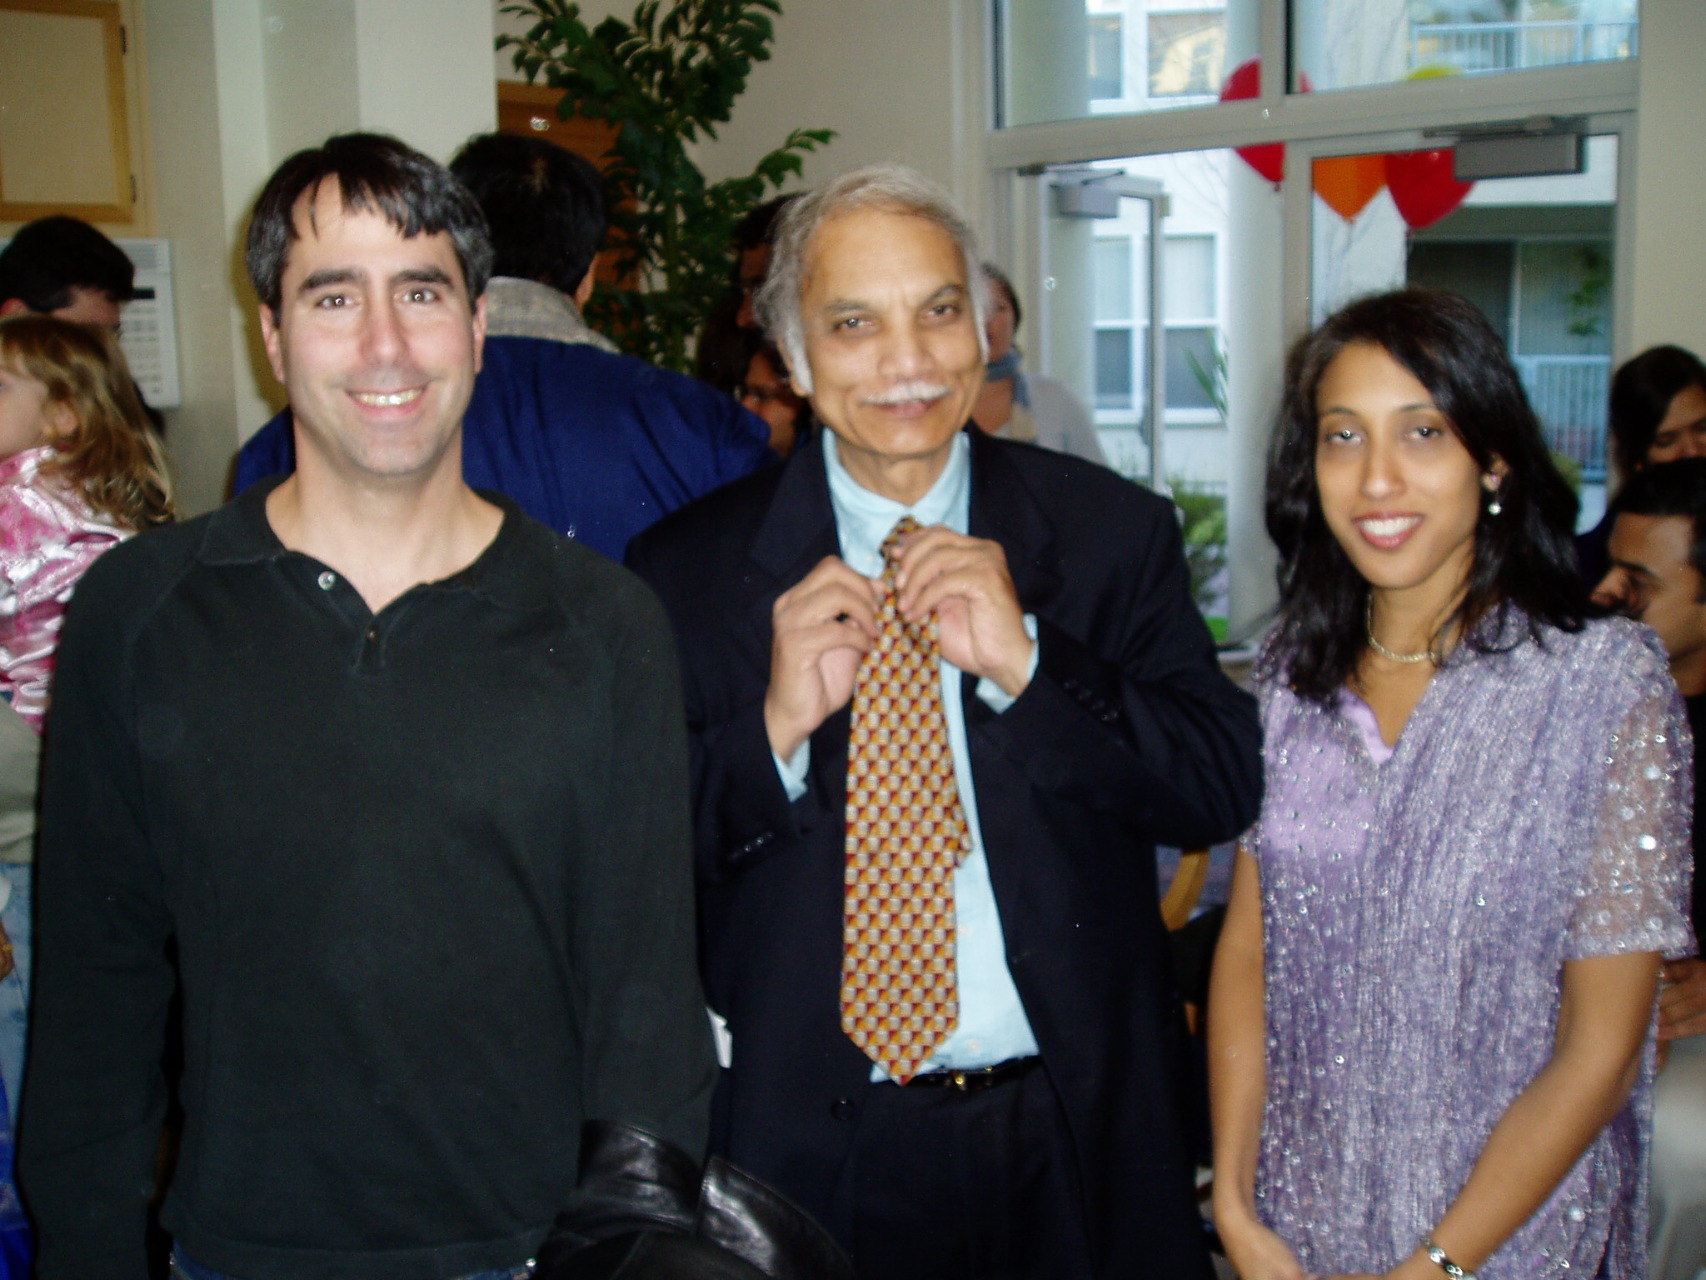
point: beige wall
(897, 80)
(188, 182)
(1670, 179)
(232, 87)
(424, 70)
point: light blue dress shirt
(992, 1025)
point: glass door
(1102, 314)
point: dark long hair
(1522, 557)
(1641, 393)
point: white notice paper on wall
(150, 333)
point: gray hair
(890, 187)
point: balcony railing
(1513, 46)
(1569, 394)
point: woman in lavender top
(1431, 1015)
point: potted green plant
(665, 80)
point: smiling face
(1681, 433)
(1398, 489)
(895, 360)
(376, 342)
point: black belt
(973, 1079)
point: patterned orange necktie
(906, 834)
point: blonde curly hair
(111, 454)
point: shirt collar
(505, 572)
(863, 519)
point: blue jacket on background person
(594, 445)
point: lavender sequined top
(49, 536)
(1417, 916)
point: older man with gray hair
(946, 692)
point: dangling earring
(1494, 507)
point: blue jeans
(185, 1268)
(15, 987)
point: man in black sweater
(399, 776)
(1658, 575)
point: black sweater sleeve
(91, 1115)
(646, 1051)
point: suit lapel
(797, 531)
(1004, 510)
(799, 528)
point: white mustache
(902, 392)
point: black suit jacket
(1128, 735)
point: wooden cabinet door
(64, 139)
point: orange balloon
(1348, 183)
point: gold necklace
(1426, 655)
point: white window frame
(1408, 115)
(1391, 117)
(1178, 416)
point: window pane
(1188, 280)
(1187, 53)
(1113, 282)
(1566, 298)
(1107, 58)
(1343, 43)
(1069, 59)
(1113, 369)
(1192, 380)
(1220, 355)
(1482, 271)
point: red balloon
(1268, 159)
(1423, 187)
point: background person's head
(89, 411)
(369, 171)
(1004, 315)
(61, 266)
(754, 239)
(544, 208)
(1658, 409)
(1658, 562)
(764, 390)
(1522, 555)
